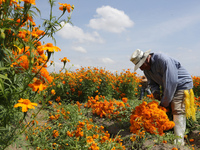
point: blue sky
(106, 32)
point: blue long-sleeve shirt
(169, 74)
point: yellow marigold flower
(25, 104)
(50, 48)
(53, 92)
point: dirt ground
(123, 130)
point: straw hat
(138, 58)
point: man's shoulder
(160, 56)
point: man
(167, 73)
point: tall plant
(23, 62)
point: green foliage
(63, 124)
(15, 73)
(196, 88)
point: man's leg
(141, 93)
(179, 128)
(179, 118)
(148, 91)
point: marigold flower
(191, 140)
(94, 146)
(55, 133)
(69, 134)
(50, 102)
(50, 48)
(29, 1)
(37, 85)
(64, 60)
(25, 104)
(53, 92)
(89, 139)
(164, 141)
(65, 6)
(151, 117)
(22, 62)
(43, 74)
(125, 99)
(58, 99)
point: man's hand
(156, 95)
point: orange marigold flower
(152, 117)
(94, 146)
(174, 148)
(37, 85)
(89, 139)
(55, 133)
(50, 102)
(58, 99)
(25, 104)
(29, 1)
(164, 141)
(191, 140)
(65, 6)
(22, 62)
(64, 59)
(69, 134)
(43, 74)
(125, 99)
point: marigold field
(90, 108)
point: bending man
(165, 72)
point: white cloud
(178, 24)
(74, 32)
(106, 60)
(167, 27)
(79, 49)
(110, 19)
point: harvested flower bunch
(151, 117)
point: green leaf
(3, 77)
(3, 129)
(3, 68)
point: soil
(123, 130)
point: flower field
(87, 109)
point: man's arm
(170, 80)
(155, 88)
